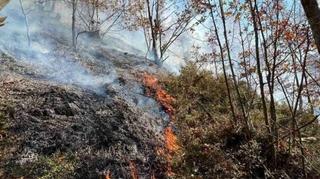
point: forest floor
(52, 130)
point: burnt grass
(103, 134)
(51, 130)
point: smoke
(49, 52)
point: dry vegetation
(213, 146)
(245, 107)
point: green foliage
(193, 87)
(202, 113)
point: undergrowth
(45, 167)
(211, 146)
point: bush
(212, 146)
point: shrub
(213, 147)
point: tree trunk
(235, 83)
(74, 9)
(312, 11)
(234, 117)
(259, 66)
(155, 54)
(153, 36)
(26, 22)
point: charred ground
(51, 129)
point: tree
(73, 26)
(97, 17)
(162, 22)
(93, 17)
(26, 21)
(312, 11)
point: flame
(171, 145)
(107, 176)
(154, 89)
(133, 170)
(165, 100)
(150, 81)
(171, 140)
(152, 176)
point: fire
(150, 81)
(154, 89)
(165, 100)
(171, 140)
(107, 176)
(133, 170)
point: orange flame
(171, 140)
(107, 176)
(171, 143)
(153, 87)
(133, 170)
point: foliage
(211, 145)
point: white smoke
(50, 52)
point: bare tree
(211, 11)
(233, 74)
(97, 17)
(162, 22)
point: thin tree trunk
(308, 95)
(153, 36)
(223, 63)
(26, 22)
(235, 83)
(259, 71)
(312, 11)
(295, 109)
(74, 10)
(271, 79)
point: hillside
(157, 89)
(90, 130)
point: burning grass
(133, 170)
(108, 175)
(155, 90)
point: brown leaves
(2, 4)
(289, 36)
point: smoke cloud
(49, 51)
